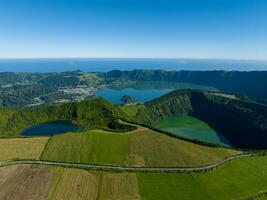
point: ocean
(107, 64)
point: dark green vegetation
(239, 179)
(97, 113)
(251, 83)
(31, 89)
(190, 127)
(242, 123)
(126, 99)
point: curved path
(124, 168)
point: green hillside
(95, 113)
(142, 147)
(242, 123)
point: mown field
(22, 148)
(21, 182)
(240, 179)
(138, 148)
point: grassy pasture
(22, 148)
(244, 178)
(238, 179)
(138, 148)
(73, 184)
(81, 184)
(97, 146)
(149, 148)
(119, 186)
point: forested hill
(96, 113)
(242, 123)
(253, 83)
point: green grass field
(96, 146)
(190, 127)
(22, 148)
(142, 147)
(238, 179)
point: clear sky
(134, 28)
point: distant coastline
(107, 64)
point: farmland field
(138, 148)
(73, 184)
(238, 179)
(119, 186)
(150, 148)
(22, 148)
(192, 128)
(96, 146)
(25, 182)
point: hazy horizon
(108, 64)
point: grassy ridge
(139, 148)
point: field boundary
(128, 169)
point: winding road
(125, 168)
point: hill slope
(91, 114)
(227, 81)
(242, 123)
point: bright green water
(192, 128)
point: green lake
(192, 128)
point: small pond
(51, 128)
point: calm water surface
(143, 91)
(114, 95)
(51, 128)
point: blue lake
(145, 90)
(114, 95)
(51, 128)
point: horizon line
(150, 58)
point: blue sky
(235, 29)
